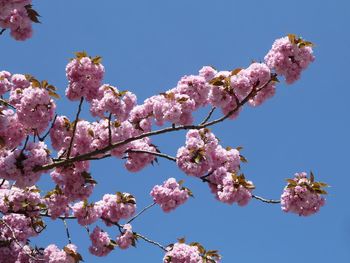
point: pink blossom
(289, 59)
(53, 254)
(126, 239)
(85, 213)
(113, 101)
(101, 243)
(18, 165)
(301, 197)
(182, 253)
(117, 207)
(84, 75)
(170, 195)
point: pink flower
(170, 195)
(101, 243)
(302, 195)
(126, 239)
(289, 58)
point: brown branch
(108, 148)
(163, 155)
(75, 127)
(48, 132)
(2, 31)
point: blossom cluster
(303, 195)
(170, 194)
(181, 252)
(289, 56)
(34, 107)
(202, 156)
(18, 16)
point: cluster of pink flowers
(52, 254)
(289, 56)
(137, 161)
(170, 195)
(101, 243)
(74, 181)
(203, 155)
(230, 188)
(35, 108)
(111, 100)
(15, 199)
(195, 157)
(56, 203)
(126, 239)
(17, 16)
(85, 76)
(183, 253)
(302, 195)
(85, 213)
(117, 207)
(18, 165)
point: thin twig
(108, 148)
(151, 241)
(269, 201)
(209, 116)
(75, 127)
(163, 155)
(2, 31)
(24, 146)
(67, 231)
(48, 132)
(109, 129)
(141, 212)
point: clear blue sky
(146, 47)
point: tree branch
(163, 155)
(108, 148)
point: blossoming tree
(35, 140)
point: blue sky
(146, 47)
